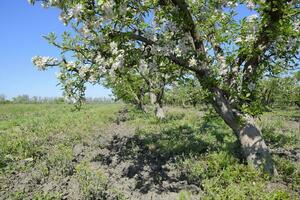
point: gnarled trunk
(159, 111)
(249, 135)
(157, 100)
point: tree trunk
(254, 148)
(152, 98)
(159, 111)
(157, 98)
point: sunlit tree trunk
(159, 110)
(152, 98)
(253, 146)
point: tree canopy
(203, 37)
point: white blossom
(102, 70)
(238, 40)
(64, 17)
(107, 8)
(192, 62)
(143, 68)
(296, 26)
(83, 71)
(252, 18)
(155, 49)
(43, 62)
(250, 38)
(70, 65)
(250, 5)
(99, 59)
(178, 51)
(93, 78)
(118, 62)
(114, 48)
(54, 2)
(31, 1)
(231, 4)
(76, 11)
(151, 35)
(85, 31)
(123, 9)
(59, 75)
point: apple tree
(227, 55)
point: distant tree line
(26, 99)
(280, 91)
(272, 92)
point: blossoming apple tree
(227, 55)
(143, 80)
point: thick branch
(189, 24)
(264, 39)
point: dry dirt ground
(133, 170)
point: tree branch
(264, 39)
(189, 25)
(149, 42)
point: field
(110, 151)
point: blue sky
(22, 27)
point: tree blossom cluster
(43, 62)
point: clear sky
(22, 27)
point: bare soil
(131, 167)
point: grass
(208, 154)
(38, 140)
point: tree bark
(158, 102)
(152, 98)
(253, 146)
(159, 111)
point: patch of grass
(184, 195)
(35, 127)
(93, 182)
(40, 137)
(281, 129)
(46, 196)
(275, 139)
(176, 140)
(60, 158)
(210, 156)
(223, 177)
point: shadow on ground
(148, 161)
